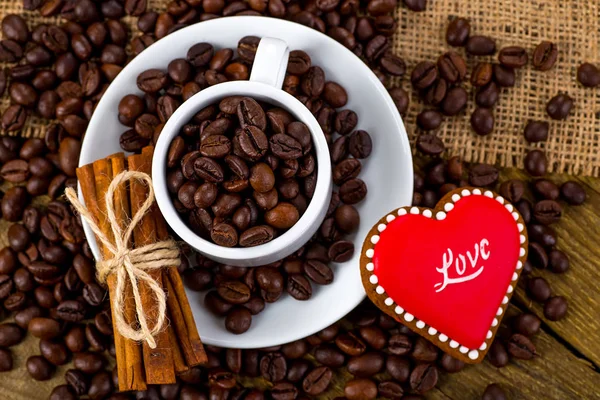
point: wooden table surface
(568, 366)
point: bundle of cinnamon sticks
(178, 344)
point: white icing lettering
(460, 265)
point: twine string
(131, 264)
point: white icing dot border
(472, 354)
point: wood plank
(579, 237)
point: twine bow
(132, 264)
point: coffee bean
(544, 56)
(317, 381)
(273, 367)
(542, 234)
(256, 236)
(480, 45)
(457, 32)
(39, 368)
(455, 101)
(573, 193)
(527, 324)
(558, 262)
(15, 28)
(536, 131)
(6, 360)
(360, 389)
(513, 57)
(538, 289)
(329, 356)
(559, 107)
(482, 121)
(452, 67)
(520, 347)
(555, 308)
(390, 389)
(424, 350)
(493, 392)
(366, 365)
(350, 344)
(88, 362)
(10, 334)
(512, 190)
(483, 175)
(353, 191)
(424, 75)
(588, 75)
(54, 351)
(536, 163)
(451, 364)
(547, 211)
(400, 99)
(504, 76)
(360, 144)
(14, 118)
(10, 51)
(423, 378)
(71, 310)
(400, 344)
(546, 189)
(487, 95)
(497, 355)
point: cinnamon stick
(158, 362)
(133, 350)
(94, 180)
(180, 312)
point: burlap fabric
(573, 145)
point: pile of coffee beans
(228, 208)
(440, 86)
(236, 170)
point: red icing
(412, 247)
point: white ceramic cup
(266, 80)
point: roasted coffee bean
(504, 76)
(519, 346)
(547, 211)
(487, 95)
(360, 389)
(400, 99)
(297, 370)
(71, 310)
(455, 101)
(546, 189)
(10, 51)
(555, 308)
(536, 131)
(558, 262)
(588, 75)
(544, 56)
(480, 45)
(424, 75)
(513, 56)
(538, 289)
(452, 67)
(273, 367)
(430, 144)
(392, 64)
(88, 362)
(559, 107)
(493, 392)
(497, 355)
(451, 364)
(353, 191)
(512, 190)
(424, 350)
(15, 171)
(429, 119)
(39, 368)
(527, 324)
(482, 121)
(423, 378)
(400, 344)
(366, 365)
(44, 328)
(6, 360)
(317, 381)
(234, 292)
(457, 32)
(329, 356)
(54, 351)
(536, 163)
(538, 256)
(299, 287)
(77, 381)
(573, 193)
(10, 334)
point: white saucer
(388, 172)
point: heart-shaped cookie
(447, 273)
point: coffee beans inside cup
(242, 173)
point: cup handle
(270, 62)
